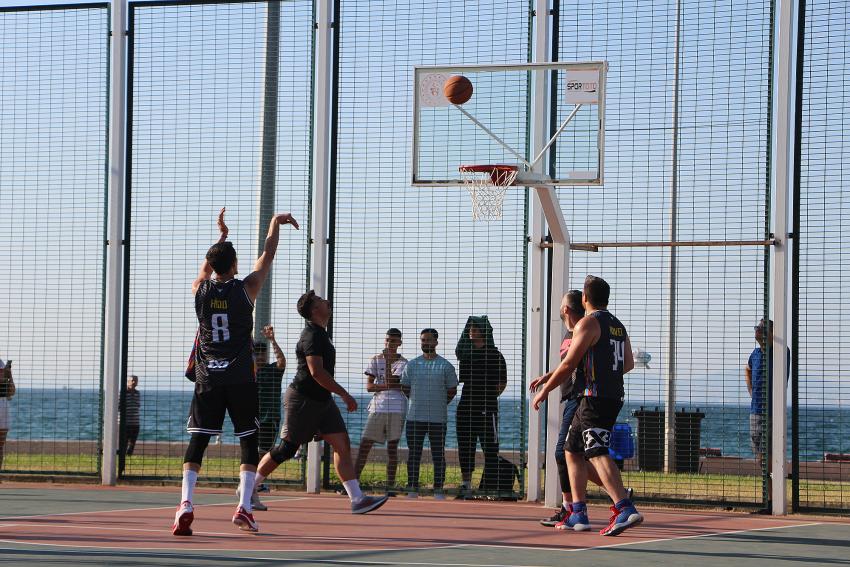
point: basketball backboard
(494, 125)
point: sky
(411, 257)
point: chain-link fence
(221, 114)
(53, 132)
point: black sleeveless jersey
(225, 326)
(603, 362)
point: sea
(74, 414)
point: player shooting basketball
(224, 367)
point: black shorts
(240, 401)
(590, 431)
(305, 418)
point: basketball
(458, 89)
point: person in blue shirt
(430, 383)
(759, 374)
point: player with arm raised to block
(224, 367)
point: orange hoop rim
(487, 168)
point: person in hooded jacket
(484, 375)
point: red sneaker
(622, 519)
(245, 520)
(183, 519)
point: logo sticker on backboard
(431, 90)
(582, 87)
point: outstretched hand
(537, 382)
(286, 218)
(222, 228)
(538, 400)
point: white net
(487, 185)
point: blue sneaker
(623, 518)
(577, 520)
(368, 504)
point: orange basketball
(458, 89)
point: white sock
(190, 477)
(258, 479)
(352, 487)
(246, 489)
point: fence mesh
(696, 133)
(411, 258)
(53, 102)
(823, 423)
(201, 139)
(221, 115)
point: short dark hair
(764, 325)
(221, 256)
(573, 298)
(305, 304)
(393, 332)
(597, 291)
(430, 331)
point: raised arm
(255, 280)
(268, 332)
(206, 270)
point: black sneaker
(558, 516)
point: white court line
(79, 549)
(172, 552)
(641, 542)
(232, 534)
(172, 507)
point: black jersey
(225, 326)
(603, 362)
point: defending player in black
(224, 367)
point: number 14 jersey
(226, 323)
(603, 362)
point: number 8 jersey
(226, 323)
(603, 362)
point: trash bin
(651, 439)
(688, 431)
(622, 445)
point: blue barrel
(622, 445)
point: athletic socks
(246, 489)
(190, 477)
(579, 507)
(258, 479)
(352, 487)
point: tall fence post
(782, 180)
(268, 155)
(115, 240)
(321, 183)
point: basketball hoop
(487, 185)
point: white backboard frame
(579, 92)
